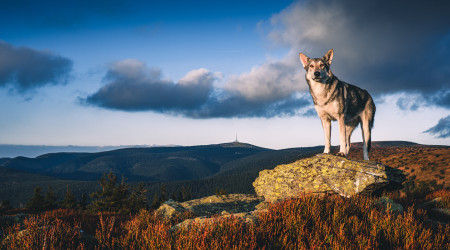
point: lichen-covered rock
(215, 204)
(247, 217)
(170, 209)
(325, 174)
(211, 205)
(212, 208)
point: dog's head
(318, 69)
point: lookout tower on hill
(236, 141)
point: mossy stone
(323, 174)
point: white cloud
(273, 80)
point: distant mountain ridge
(137, 164)
(10, 150)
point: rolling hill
(137, 164)
(201, 169)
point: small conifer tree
(112, 197)
(69, 201)
(36, 202)
(156, 201)
(163, 197)
(138, 198)
(83, 202)
(50, 199)
(185, 194)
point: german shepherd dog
(338, 100)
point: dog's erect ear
(304, 59)
(328, 57)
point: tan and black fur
(338, 100)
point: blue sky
(96, 73)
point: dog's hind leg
(367, 119)
(366, 133)
(366, 142)
(326, 124)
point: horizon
(196, 73)
(33, 151)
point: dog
(338, 100)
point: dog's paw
(341, 154)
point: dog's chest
(322, 93)
(331, 110)
(326, 101)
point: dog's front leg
(326, 124)
(342, 137)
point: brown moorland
(303, 223)
(420, 162)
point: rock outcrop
(325, 174)
(211, 205)
(242, 206)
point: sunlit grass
(304, 223)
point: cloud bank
(442, 129)
(24, 69)
(386, 47)
(132, 86)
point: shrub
(40, 232)
(338, 223)
(145, 231)
(444, 194)
(303, 223)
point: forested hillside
(203, 170)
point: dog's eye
(311, 66)
(322, 65)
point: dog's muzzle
(317, 76)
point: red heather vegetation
(421, 163)
(303, 223)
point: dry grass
(422, 163)
(303, 223)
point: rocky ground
(316, 175)
(244, 206)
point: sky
(117, 72)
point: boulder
(210, 209)
(247, 217)
(210, 206)
(216, 204)
(323, 174)
(170, 209)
